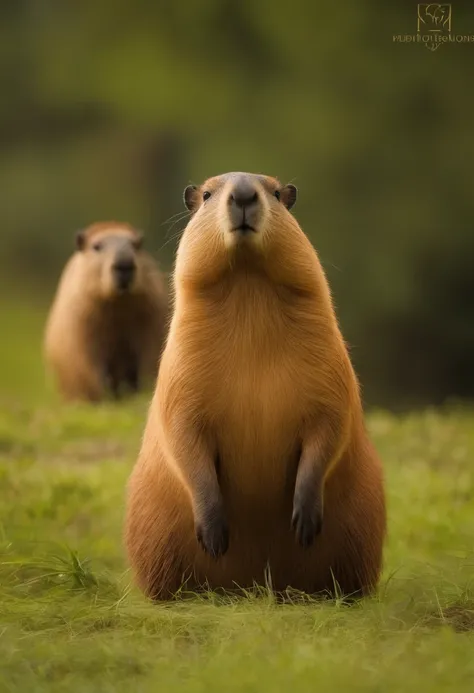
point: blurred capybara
(255, 462)
(107, 324)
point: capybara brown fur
(107, 324)
(255, 461)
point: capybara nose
(124, 271)
(243, 201)
(244, 194)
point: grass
(71, 620)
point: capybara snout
(124, 266)
(124, 272)
(244, 203)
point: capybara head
(237, 219)
(110, 255)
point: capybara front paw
(307, 522)
(213, 536)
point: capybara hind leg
(356, 571)
(112, 381)
(160, 571)
(131, 374)
(158, 535)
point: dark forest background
(109, 108)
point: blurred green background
(109, 109)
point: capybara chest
(257, 435)
(121, 366)
(117, 350)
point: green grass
(71, 620)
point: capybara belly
(121, 368)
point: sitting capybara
(106, 328)
(255, 460)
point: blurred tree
(110, 108)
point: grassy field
(71, 620)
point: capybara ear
(288, 195)
(190, 197)
(80, 240)
(138, 240)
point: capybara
(255, 461)
(107, 324)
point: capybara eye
(206, 195)
(97, 247)
(277, 194)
